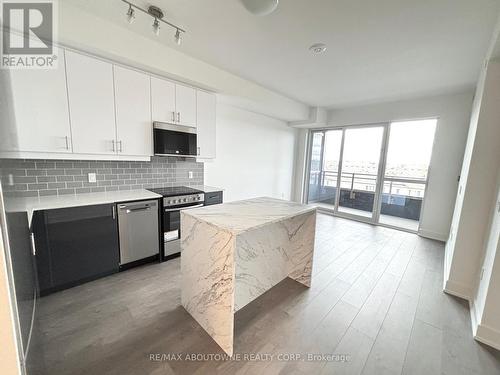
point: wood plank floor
(375, 306)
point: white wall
(453, 113)
(465, 250)
(255, 155)
(486, 302)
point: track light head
(177, 37)
(156, 27)
(130, 14)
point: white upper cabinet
(91, 104)
(206, 129)
(133, 112)
(163, 100)
(185, 105)
(41, 109)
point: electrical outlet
(190, 174)
(92, 177)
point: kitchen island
(234, 252)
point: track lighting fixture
(157, 15)
(156, 27)
(130, 14)
(177, 37)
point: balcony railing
(401, 196)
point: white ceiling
(377, 50)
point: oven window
(174, 143)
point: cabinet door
(82, 243)
(134, 130)
(91, 104)
(206, 104)
(185, 105)
(163, 100)
(41, 108)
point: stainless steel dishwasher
(138, 230)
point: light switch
(92, 177)
(190, 174)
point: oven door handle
(183, 208)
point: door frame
(374, 217)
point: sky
(410, 142)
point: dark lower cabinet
(75, 245)
(214, 197)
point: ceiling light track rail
(157, 14)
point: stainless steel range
(175, 200)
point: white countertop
(247, 214)
(63, 201)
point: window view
(408, 157)
(360, 164)
(355, 153)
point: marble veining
(242, 215)
(235, 252)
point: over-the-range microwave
(174, 140)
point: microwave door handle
(182, 209)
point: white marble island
(234, 252)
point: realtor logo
(27, 35)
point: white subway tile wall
(33, 178)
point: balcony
(401, 196)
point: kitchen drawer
(213, 198)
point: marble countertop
(247, 214)
(63, 201)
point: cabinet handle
(178, 117)
(198, 151)
(33, 246)
(173, 116)
(113, 143)
(121, 146)
(114, 212)
(66, 138)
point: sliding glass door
(375, 173)
(359, 171)
(405, 177)
(325, 161)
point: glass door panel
(359, 170)
(405, 177)
(331, 159)
(325, 156)
(315, 167)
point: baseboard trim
(458, 290)
(433, 235)
(488, 336)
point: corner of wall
(457, 289)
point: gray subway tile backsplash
(58, 177)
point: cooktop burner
(175, 190)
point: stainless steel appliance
(138, 227)
(172, 207)
(174, 140)
(175, 200)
